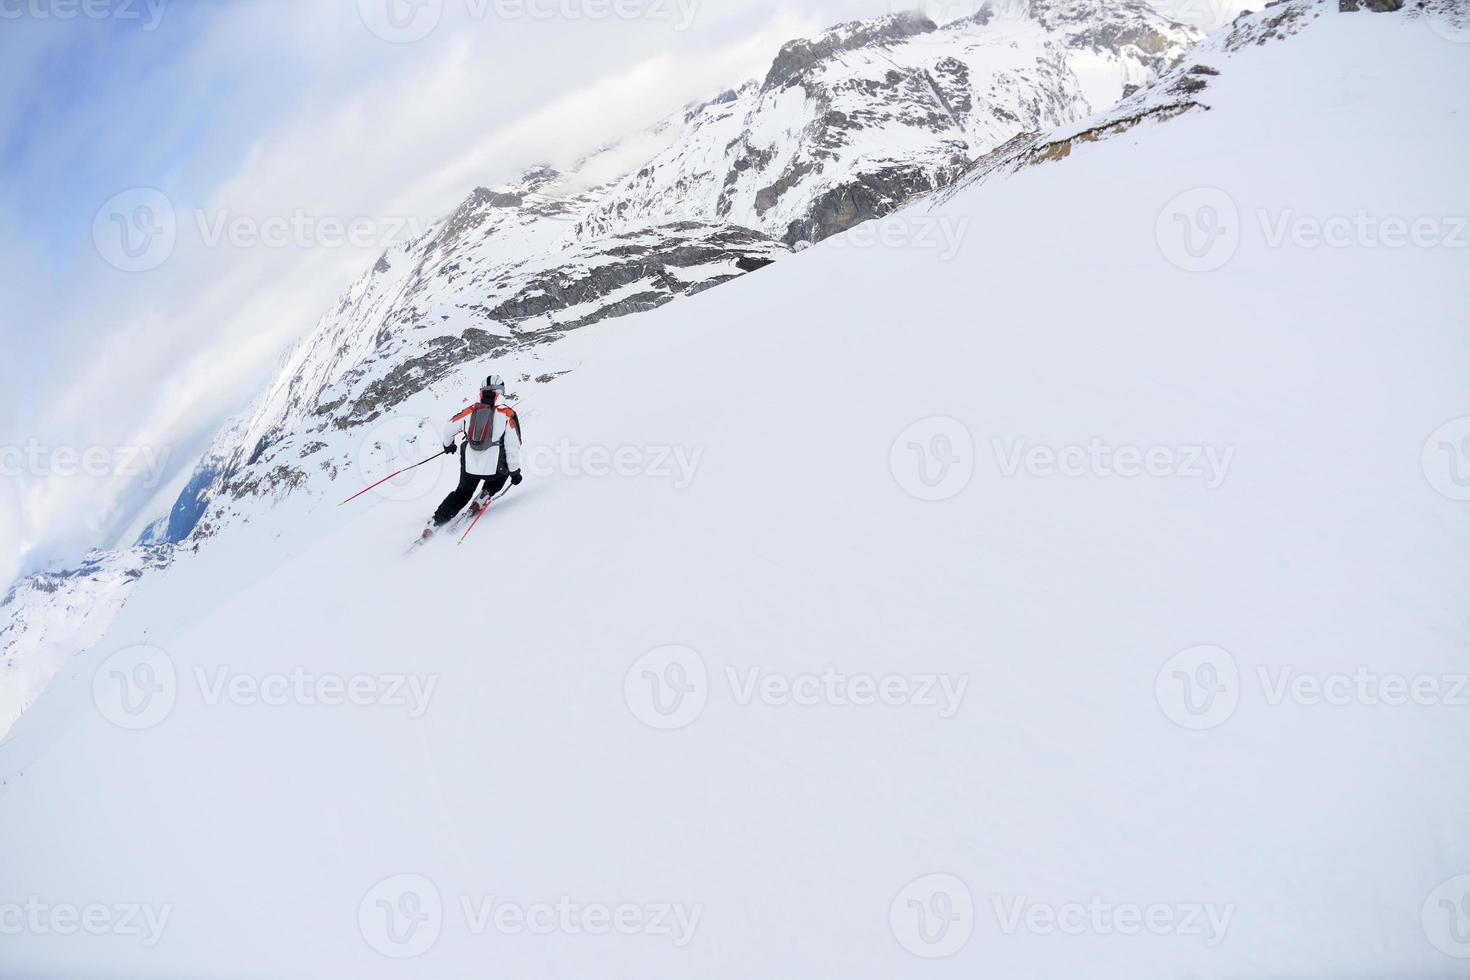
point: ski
(468, 516)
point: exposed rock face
(798, 56)
(1129, 29)
(867, 197)
(1276, 21)
(664, 262)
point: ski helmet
(494, 385)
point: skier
(491, 452)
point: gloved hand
(449, 449)
(515, 478)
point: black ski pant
(462, 494)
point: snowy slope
(50, 616)
(1060, 772)
(846, 126)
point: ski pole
(482, 511)
(389, 477)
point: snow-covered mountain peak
(1117, 26)
(801, 54)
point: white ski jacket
(505, 433)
